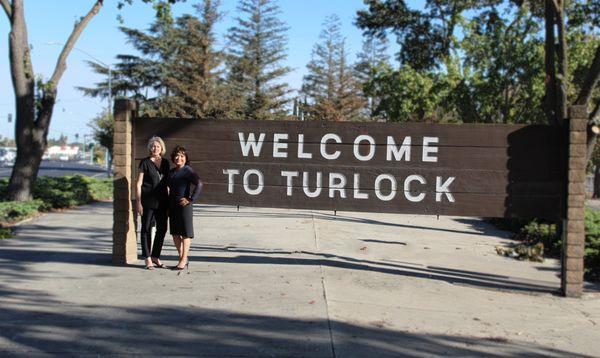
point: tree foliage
(102, 129)
(372, 58)
(330, 85)
(485, 58)
(257, 48)
(195, 73)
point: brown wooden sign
(466, 170)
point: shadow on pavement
(200, 332)
(230, 212)
(464, 277)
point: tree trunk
(31, 143)
(25, 169)
(32, 124)
(549, 51)
(597, 182)
(562, 78)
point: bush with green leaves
(538, 232)
(5, 233)
(13, 211)
(592, 244)
(54, 193)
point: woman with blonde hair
(152, 201)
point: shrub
(592, 245)
(62, 192)
(13, 211)
(101, 189)
(536, 232)
(5, 233)
(54, 193)
(539, 233)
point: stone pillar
(124, 237)
(574, 228)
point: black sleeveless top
(154, 186)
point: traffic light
(10, 118)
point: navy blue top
(179, 183)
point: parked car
(7, 156)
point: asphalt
(55, 168)
(287, 283)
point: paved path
(278, 283)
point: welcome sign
(438, 169)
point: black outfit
(155, 205)
(181, 217)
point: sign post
(574, 224)
(124, 238)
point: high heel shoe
(177, 268)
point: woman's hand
(184, 201)
(140, 208)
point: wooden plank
(469, 135)
(471, 181)
(534, 159)
(466, 204)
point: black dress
(155, 203)
(181, 217)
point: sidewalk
(278, 283)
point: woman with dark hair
(152, 201)
(180, 180)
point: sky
(50, 23)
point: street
(55, 168)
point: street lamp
(97, 60)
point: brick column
(124, 237)
(574, 228)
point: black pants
(149, 218)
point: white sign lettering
(331, 147)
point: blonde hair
(158, 139)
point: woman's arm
(194, 179)
(138, 193)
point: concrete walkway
(278, 283)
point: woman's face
(155, 149)
(179, 159)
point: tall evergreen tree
(177, 73)
(194, 72)
(159, 47)
(143, 77)
(330, 85)
(371, 59)
(257, 48)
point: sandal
(156, 264)
(149, 265)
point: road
(55, 168)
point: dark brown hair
(180, 149)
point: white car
(7, 156)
